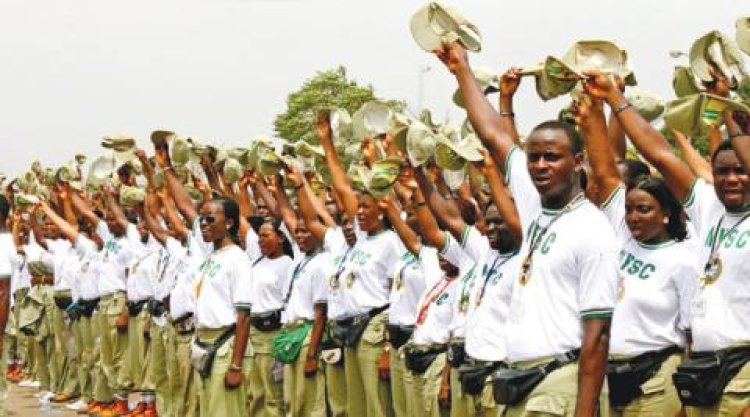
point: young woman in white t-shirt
(269, 274)
(658, 276)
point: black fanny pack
(87, 307)
(700, 381)
(399, 335)
(184, 325)
(135, 307)
(266, 322)
(474, 376)
(456, 354)
(348, 331)
(418, 360)
(156, 308)
(202, 354)
(511, 386)
(625, 377)
(63, 302)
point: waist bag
(474, 376)
(418, 360)
(510, 386)
(352, 328)
(202, 354)
(399, 335)
(701, 380)
(267, 322)
(288, 344)
(625, 377)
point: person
(658, 278)
(568, 276)
(719, 214)
(8, 261)
(222, 312)
(269, 273)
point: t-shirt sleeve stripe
(612, 196)
(506, 171)
(690, 198)
(600, 313)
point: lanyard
(712, 268)
(296, 273)
(430, 298)
(467, 283)
(397, 281)
(488, 273)
(337, 275)
(537, 240)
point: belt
(363, 316)
(267, 321)
(567, 357)
(184, 324)
(209, 335)
(112, 295)
(296, 323)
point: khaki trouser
(736, 398)
(425, 388)
(659, 395)
(336, 388)
(86, 356)
(556, 395)
(183, 379)
(368, 395)
(157, 374)
(401, 386)
(138, 350)
(66, 350)
(304, 396)
(213, 397)
(113, 345)
(266, 391)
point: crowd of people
(391, 266)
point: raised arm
(502, 199)
(114, 206)
(260, 191)
(286, 212)
(428, 226)
(486, 121)
(615, 132)
(692, 157)
(509, 83)
(444, 210)
(649, 142)
(589, 113)
(341, 184)
(68, 230)
(179, 228)
(152, 224)
(393, 211)
(305, 198)
(182, 199)
(83, 208)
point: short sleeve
(474, 244)
(334, 240)
(296, 252)
(697, 204)
(103, 231)
(134, 237)
(319, 280)
(428, 260)
(252, 248)
(84, 246)
(7, 256)
(614, 210)
(452, 251)
(597, 287)
(521, 187)
(241, 280)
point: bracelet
(507, 114)
(167, 168)
(737, 135)
(421, 203)
(233, 367)
(619, 109)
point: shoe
(17, 375)
(63, 398)
(79, 405)
(96, 407)
(118, 409)
(137, 411)
(11, 370)
(45, 396)
(27, 383)
(150, 410)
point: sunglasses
(208, 219)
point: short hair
(576, 142)
(724, 145)
(4, 206)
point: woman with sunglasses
(658, 278)
(222, 305)
(269, 273)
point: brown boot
(150, 410)
(118, 409)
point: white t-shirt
(413, 275)
(87, 280)
(9, 260)
(224, 285)
(306, 285)
(487, 320)
(573, 275)
(721, 309)
(141, 275)
(252, 247)
(181, 275)
(118, 252)
(267, 286)
(656, 289)
(365, 282)
(334, 243)
(436, 306)
(61, 252)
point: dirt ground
(21, 403)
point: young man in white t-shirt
(563, 299)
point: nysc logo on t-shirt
(360, 257)
(634, 266)
(547, 240)
(210, 268)
(441, 299)
(734, 238)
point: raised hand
(323, 124)
(454, 57)
(509, 82)
(599, 85)
(720, 85)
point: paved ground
(21, 403)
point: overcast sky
(72, 71)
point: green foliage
(326, 89)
